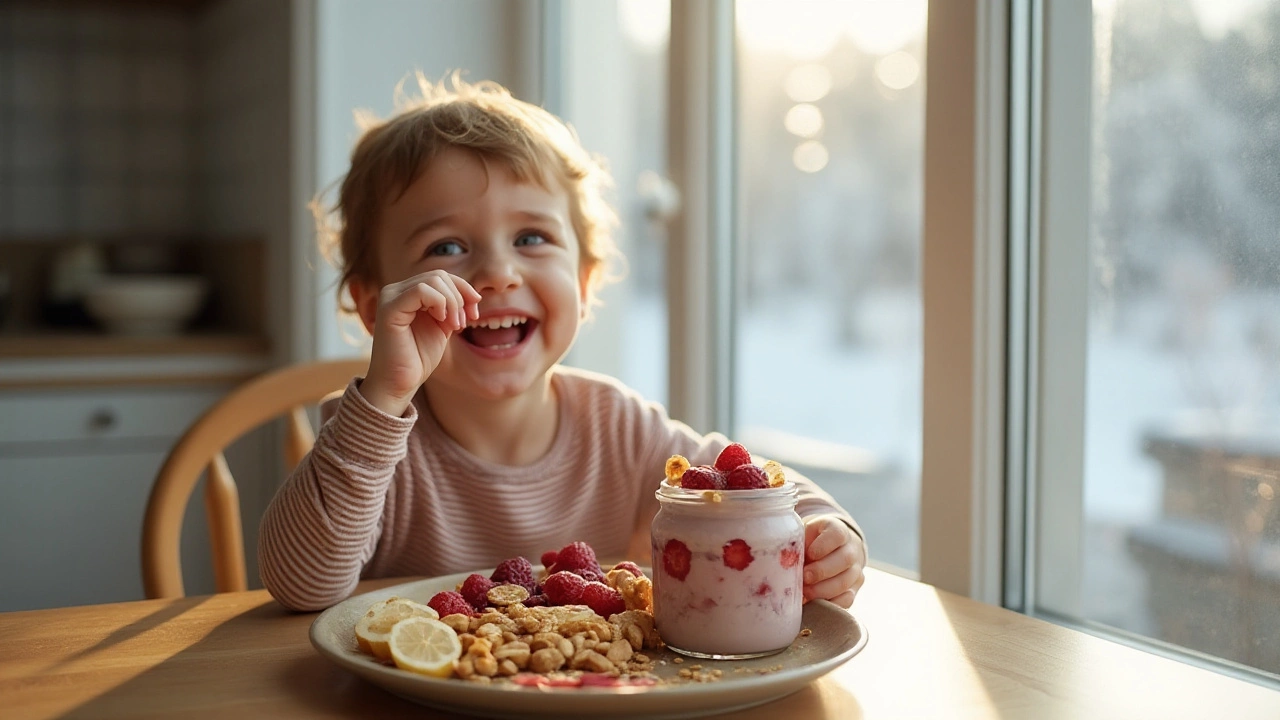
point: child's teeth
(499, 323)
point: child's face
(514, 243)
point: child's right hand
(416, 317)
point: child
(472, 233)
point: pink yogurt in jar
(727, 574)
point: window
(827, 333)
(617, 103)
(1034, 323)
(1177, 536)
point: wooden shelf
(89, 344)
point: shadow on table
(133, 629)
(310, 683)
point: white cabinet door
(71, 530)
(76, 468)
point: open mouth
(499, 333)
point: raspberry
(450, 603)
(629, 567)
(702, 477)
(564, 588)
(746, 477)
(732, 456)
(515, 571)
(536, 601)
(474, 588)
(574, 557)
(604, 600)
(675, 559)
(737, 554)
(549, 558)
(590, 575)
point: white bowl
(146, 304)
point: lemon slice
(373, 631)
(425, 646)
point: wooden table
(931, 654)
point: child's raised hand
(416, 317)
(834, 557)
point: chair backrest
(286, 391)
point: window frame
(964, 283)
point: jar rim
(671, 493)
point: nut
(466, 639)
(490, 632)
(619, 652)
(516, 652)
(503, 595)
(464, 667)
(566, 648)
(592, 661)
(638, 628)
(487, 666)
(546, 660)
(459, 622)
(507, 668)
(545, 640)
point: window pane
(828, 327)
(1182, 538)
(617, 103)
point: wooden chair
(260, 400)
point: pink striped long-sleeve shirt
(383, 496)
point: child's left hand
(834, 557)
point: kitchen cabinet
(76, 467)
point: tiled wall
(96, 119)
(243, 131)
(134, 119)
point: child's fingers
(828, 535)
(444, 297)
(844, 599)
(469, 298)
(403, 307)
(457, 319)
(831, 587)
(454, 320)
(468, 292)
(829, 566)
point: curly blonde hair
(485, 118)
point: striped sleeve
(323, 524)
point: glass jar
(727, 571)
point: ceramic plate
(836, 637)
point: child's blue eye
(448, 247)
(531, 239)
